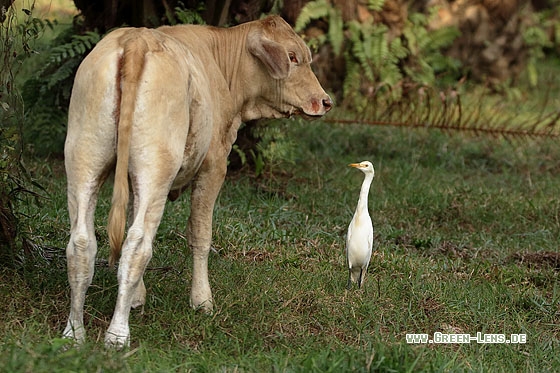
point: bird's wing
(370, 237)
(349, 234)
(348, 237)
(370, 244)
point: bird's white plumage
(359, 240)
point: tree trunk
(106, 14)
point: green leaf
(532, 73)
(312, 10)
(336, 34)
(376, 5)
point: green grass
(465, 228)
(467, 233)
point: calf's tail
(131, 64)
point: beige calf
(161, 108)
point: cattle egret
(359, 241)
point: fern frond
(398, 50)
(445, 111)
(336, 32)
(64, 71)
(78, 46)
(421, 73)
(378, 49)
(189, 16)
(323, 9)
(375, 67)
(376, 5)
(442, 37)
(312, 10)
(353, 75)
(46, 94)
(390, 74)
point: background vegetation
(467, 220)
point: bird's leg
(349, 283)
(360, 278)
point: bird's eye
(293, 57)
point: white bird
(359, 241)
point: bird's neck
(363, 201)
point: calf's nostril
(327, 103)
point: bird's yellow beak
(355, 165)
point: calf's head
(284, 77)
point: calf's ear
(272, 54)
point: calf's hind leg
(83, 188)
(89, 155)
(150, 196)
(80, 255)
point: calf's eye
(293, 57)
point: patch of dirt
(541, 259)
(430, 306)
(428, 247)
(250, 255)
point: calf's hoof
(77, 334)
(117, 340)
(206, 306)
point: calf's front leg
(205, 189)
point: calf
(161, 108)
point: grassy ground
(467, 233)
